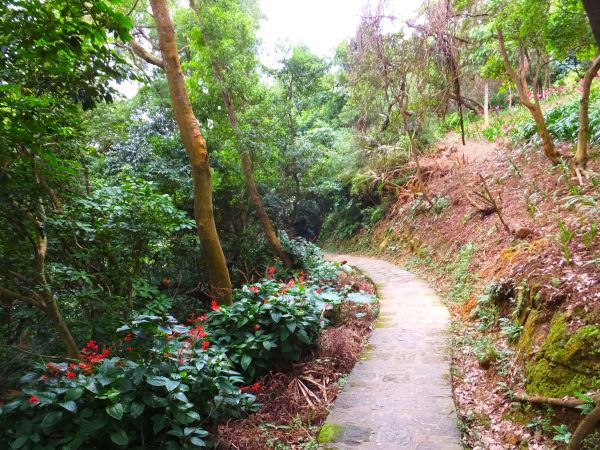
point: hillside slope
(525, 294)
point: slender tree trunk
(195, 146)
(263, 217)
(585, 427)
(49, 304)
(581, 155)
(486, 105)
(510, 96)
(523, 93)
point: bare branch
(147, 56)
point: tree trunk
(585, 427)
(486, 105)
(523, 93)
(581, 155)
(48, 304)
(195, 146)
(592, 8)
(263, 217)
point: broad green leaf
(115, 411)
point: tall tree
(228, 46)
(195, 145)
(56, 59)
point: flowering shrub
(269, 323)
(164, 383)
(167, 390)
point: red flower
(254, 289)
(257, 327)
(128, 337)
(198, 332)
(205, 345)
(265, 301)
(214, 305)
(252, 387)
(165, 280)
(92, 345)
(70, 374)
(291, 282)
(129, 349)
(85, 366)
(318, 291)
(72, 365)
(33, 400)
(271, 270)
(43, 377)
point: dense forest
(159, 256)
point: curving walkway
(399, 395)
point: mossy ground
(567, 363)
(329, 433)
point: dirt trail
(398, 396)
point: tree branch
(147, 56)
(7, 294)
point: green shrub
(166, 390)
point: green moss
(527, 337)
(566, 363)
(329, 433)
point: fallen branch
(565, 402)
(491, 199)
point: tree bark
(585, 427)
(263, 217)
(581, 155)
(523, 92)
(195, 146)
(486, 105)
(592, 9)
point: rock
(523, 232)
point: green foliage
(163, 388)
(266, 326)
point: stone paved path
(399, 395)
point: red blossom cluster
(91, 354)
(254, 289)
(214, 305)
(252, 387)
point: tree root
(585, 427)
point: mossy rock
(567, 363)
(527, 338)
(329, 433)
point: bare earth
(399, 394)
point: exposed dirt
(539, 203)
(295, 402)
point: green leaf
(276, 316)
(198, 442)
(137, 409)
(245, 361)
(303, 337)
(19, 442)
(181, 397)
(73, 394)
(70, 406)
(119, 437)
(159, 422)
(115, 411)
(51, 419)
(157, 381)
(171, 385)
(291, 326)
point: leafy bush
(268, 324)
(166, 390)
(164, 383)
